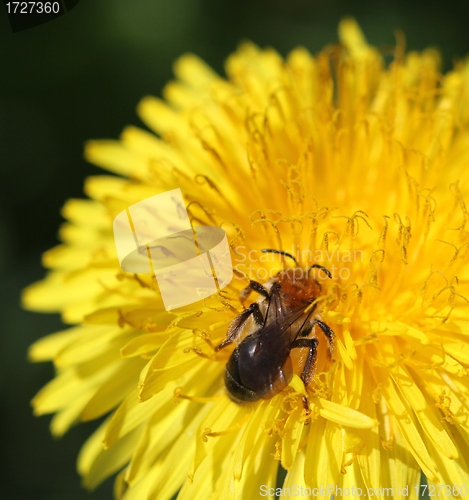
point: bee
(275, 336)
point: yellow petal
(428, 418)
(113, 391)
(87, 213)
(293, 431)
(352, 36)
(47, 348)
(404, 419)
(143, 344)
(131, 413)
(191, 69)
(159, 116)
(115, 157)
(294, 484)
(342, 415)
(224, 416)
(103, 463)
(318, 470)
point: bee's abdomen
(237, 392)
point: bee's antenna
(281, 252)
(325, 270)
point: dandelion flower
(358, 163)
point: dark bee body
(282, 341)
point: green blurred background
(80, 77)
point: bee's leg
(329, 334)
(309, 365)
(236, 326)
(310, 362)
(253, 286)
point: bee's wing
(276, 309)
(268, 349)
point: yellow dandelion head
(339, 160)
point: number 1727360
(33, 7)
(442, 490)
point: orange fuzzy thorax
(297, 289)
